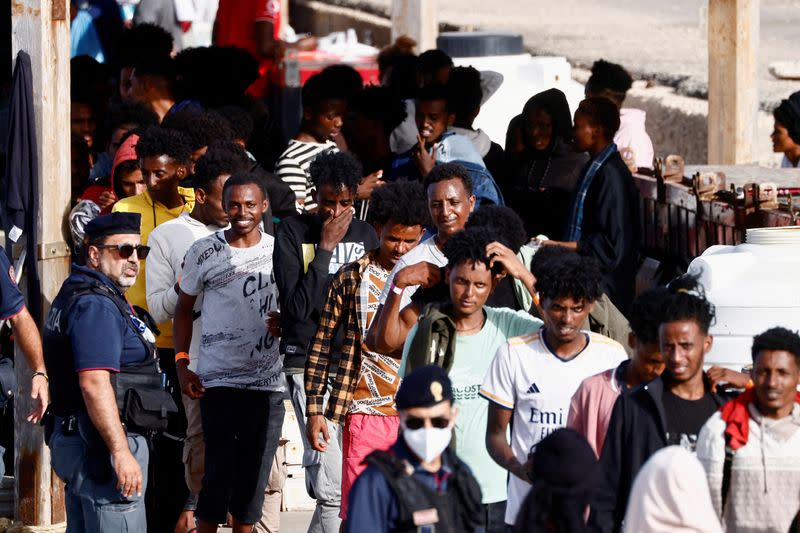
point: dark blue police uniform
(89, 332)
(11, 303)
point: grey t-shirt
(238, 288)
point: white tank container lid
(774, 236)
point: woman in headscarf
(543, 176)
(786, 133)
(563, 474)
(670, 495)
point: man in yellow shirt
(165, 159)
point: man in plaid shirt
(363, 390)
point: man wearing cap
(419, 481)
(91, 334)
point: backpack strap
(726, 474)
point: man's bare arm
(101, 404)
(497, 443)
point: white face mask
(427, 443)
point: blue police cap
(424, 387)
(113, 224)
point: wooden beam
(733, 38)
(41, 28)
(417, 19)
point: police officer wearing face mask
(419, 484)
(93, 344)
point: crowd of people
(455, 323)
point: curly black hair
(609, 80)
(157, 66)
(157, 141)
(340, 170)
(432, 92)
(777, 338)
(402, 202)
(464, 92)
(449, 171)
(323, 86)
(380, 103)
(244, 178)
(222, 157)
(546, 254)
(686, 300)
(570, 276)
(502, 222)
(646, 314)
(131, 114)
(201, 128)
(142, 40)
(430, 61)
(603, 112)
(214, 76)
(468, 245)
(344, 76)
(240, 121)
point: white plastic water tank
(754, 286)
(523, 75)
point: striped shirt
(292, 167)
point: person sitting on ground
(750, 449)
(591, 405)
(563, 473)
(450, 202)
(612, 81)
(540, 180)
(532, 378)
(671, 409)
(436, 144)
(362, 396)
(670, 494)
(604, 217)
(324, 107)
(466, 94)
(786, 133)
(151, 84)
(458, 336)
(419, 481)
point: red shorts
(363, 434)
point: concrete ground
(663, 41)
(291, 522)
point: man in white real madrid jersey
(533, 378)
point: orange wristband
(181, 355)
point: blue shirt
(11, 299)
(100, 336)
(372, 500)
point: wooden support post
(417, 19)
(733, 34)
(41, 28)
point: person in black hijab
(564, 471)
(542, 178)
(786, 133)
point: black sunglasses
(126, 250)
(439, 422)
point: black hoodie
(303, 273)
(637, 430)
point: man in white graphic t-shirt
(532, 378)
(239, 365)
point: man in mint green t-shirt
(475, 261)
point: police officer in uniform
(419, 484)
(91, 337)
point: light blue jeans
(323, 470)
(95, 505)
